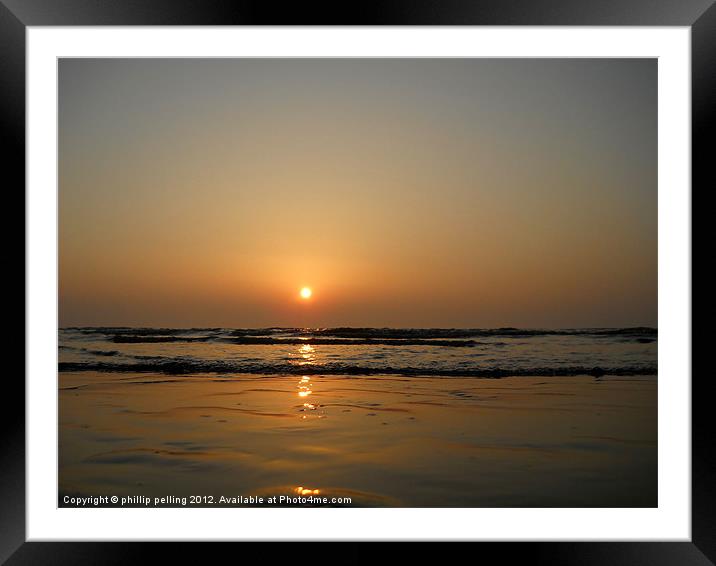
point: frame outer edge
(385, 12)
(12, 122)
(703, 118)
(12, 415)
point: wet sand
(379, 440)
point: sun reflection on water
(307, 353)
(305, 388)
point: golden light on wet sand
(304, 387)
(306, 293)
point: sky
(403, 192)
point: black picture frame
(16, 15)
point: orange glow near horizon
(454, 193)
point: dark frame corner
(700, 15)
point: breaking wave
(445, 352)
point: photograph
(422, 282)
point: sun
(306, 293)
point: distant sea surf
(436, 352)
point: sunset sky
(402, 192)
